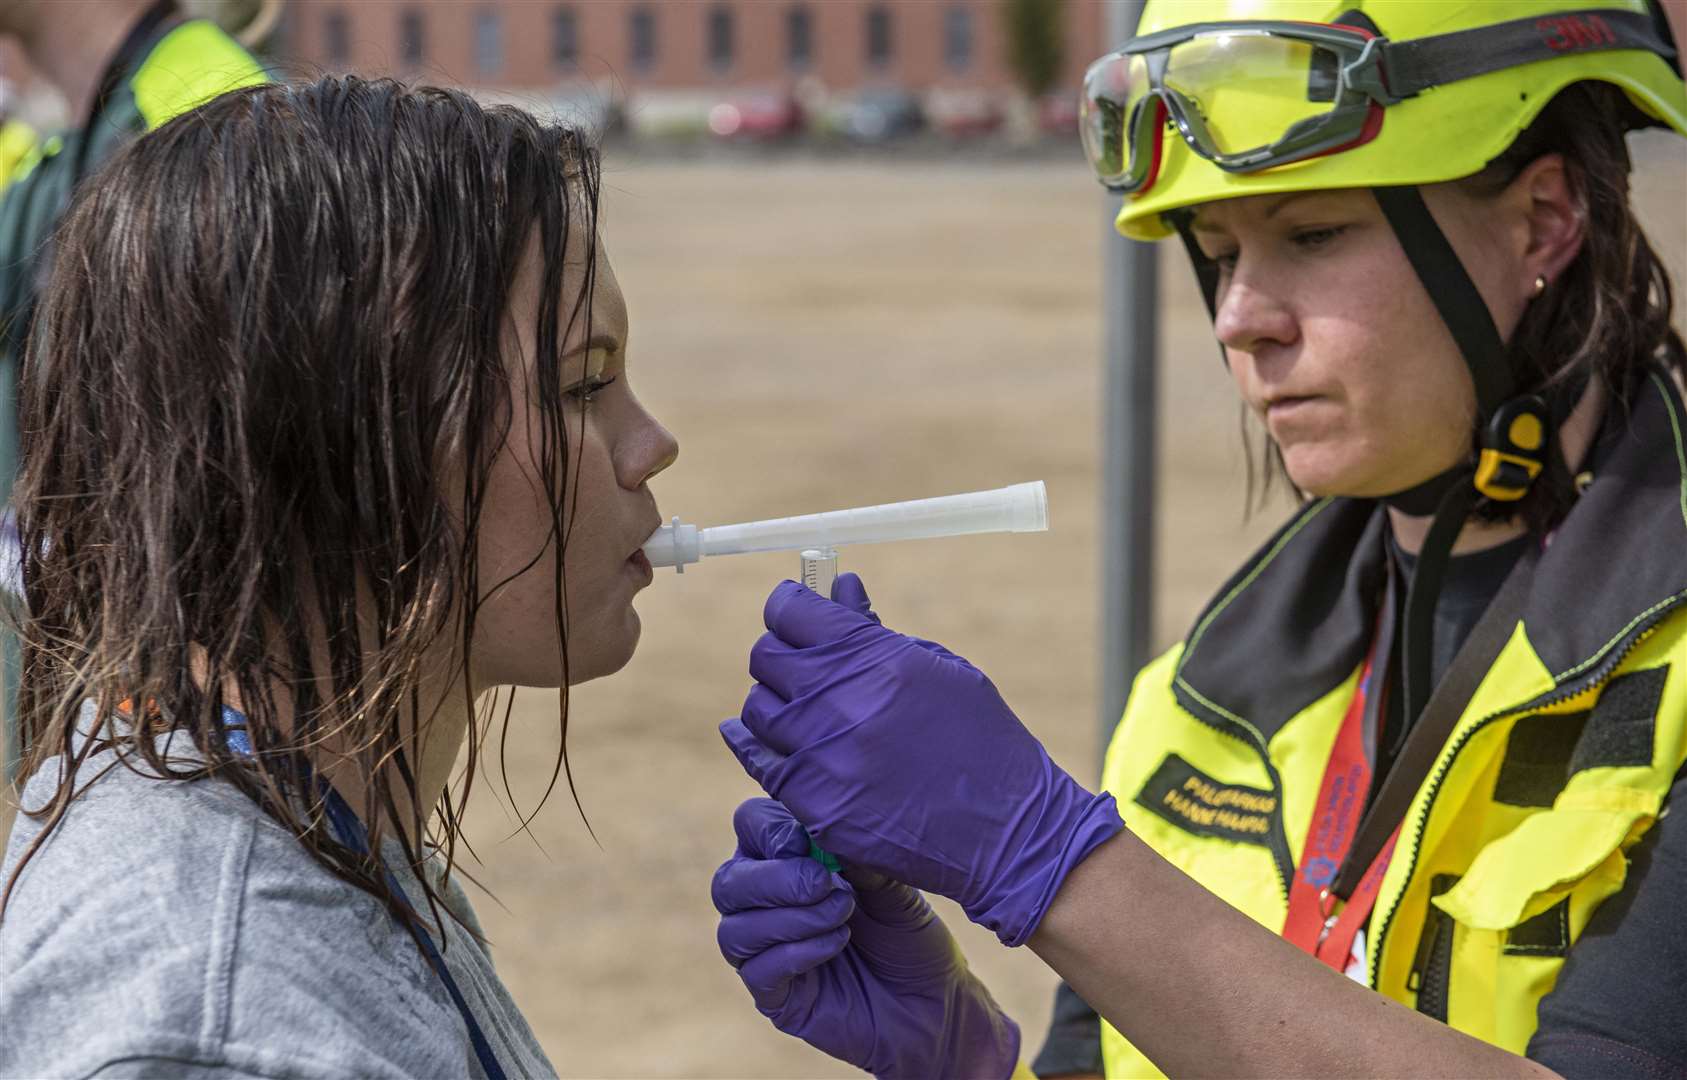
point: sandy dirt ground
(820, 335)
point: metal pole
(1130, 303)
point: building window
(641, 32)
(488, 43)
(720, 37)
(336, 37)
(412, 43)
(957, 38)
(878, 35)
(799, 38)
(565, 38)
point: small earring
(1540, 285)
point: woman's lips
(1286, 408)
(641, 565)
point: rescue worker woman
(1429, 736)
(327, 430)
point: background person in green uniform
(1429, 737)
(124, 67)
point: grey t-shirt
(173, 929)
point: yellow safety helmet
(1444, 131)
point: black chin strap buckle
(1514, 449)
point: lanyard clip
(1330, 907)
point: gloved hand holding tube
(858, 967)
(901, 757)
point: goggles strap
(1415, 66)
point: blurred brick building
(644, 45)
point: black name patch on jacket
(1195, 802)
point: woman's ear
(1556, 221)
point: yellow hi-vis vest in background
(17, 139)
(1560, 762)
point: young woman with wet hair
(327, 433)
(1432, 737)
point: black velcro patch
(1195, 802)
(1537, 758)
(1547, 934)
(1620, 730)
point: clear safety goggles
(1252, 95)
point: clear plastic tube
(1018, 508)
(820, 569)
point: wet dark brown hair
(1605, 319)
(265, 388)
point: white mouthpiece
(674, 544)
(1019, 508)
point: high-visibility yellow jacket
(1560, 762)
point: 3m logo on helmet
(1568, 33)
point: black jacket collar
(1297, 618)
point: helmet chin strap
(1422, 500)
(1514, 432)
(1466, 316)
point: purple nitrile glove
(864, 971)
(901, 757)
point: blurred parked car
(659, 114)
(963, 114)
(878, 115)
(765, 115)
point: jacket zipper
(1433, 967)
(1600, 674)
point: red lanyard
(1319, 922)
